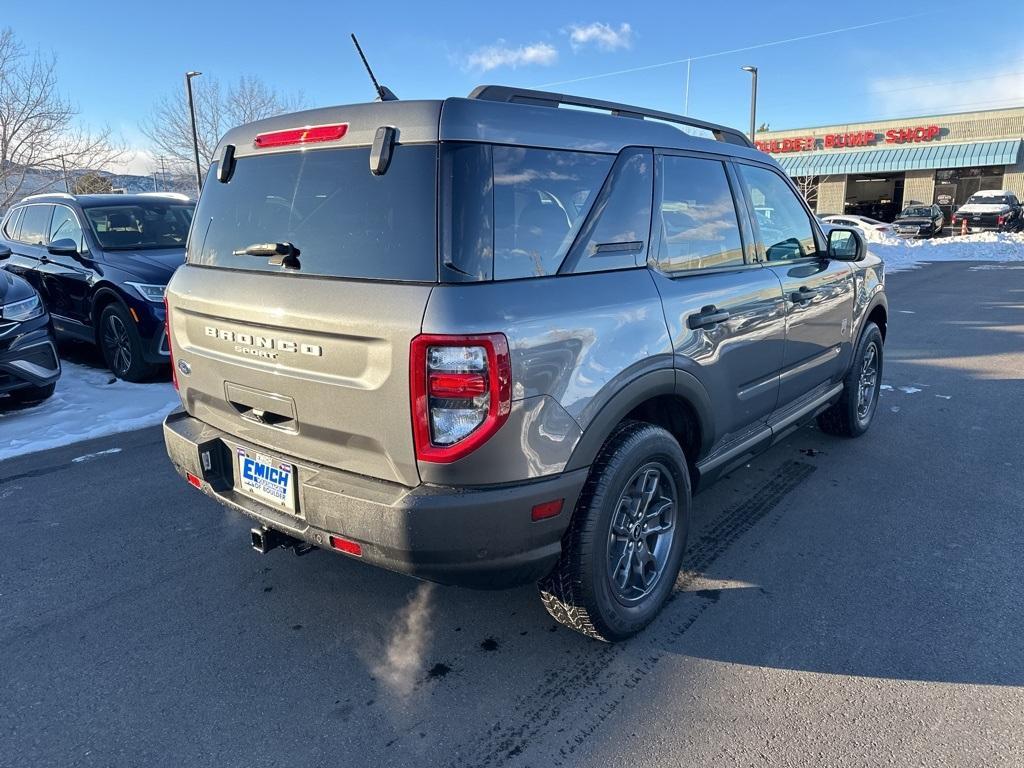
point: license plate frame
(266, 479)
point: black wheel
(121, 345)
(30, 395)
(622, 552)
(852, 415)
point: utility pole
(753, 100)
(686, 99)
(67, 187)
(195, 133)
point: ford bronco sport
(493, 340)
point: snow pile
(899, 253)
(88, 403)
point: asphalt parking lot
(844, 603)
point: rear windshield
(141, 226)
(343, 220)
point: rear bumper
(475, 537)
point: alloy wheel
(642, 529)
(119, 345)
(868, 385)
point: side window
(615, 235)
(541, 198)
(11, 225)
(784, 224)
(35, 224)
(697, 215)
(65, 226)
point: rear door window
(541, 199)
(344, 221)
(697, 215)
(11, 225)
(35, 224)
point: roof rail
(49, 194)
(175, 195)
(551, 99)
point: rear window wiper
(280, 254)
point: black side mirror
(5, 252)
(65, 246)
(846, 244)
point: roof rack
(551, 99)
(50, 194)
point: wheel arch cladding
(880, 317)
(102, 298)
(670, 399)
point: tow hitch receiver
(266, 539)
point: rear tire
(853, 413)
(32, 395)
(622, 551)
(121, 345)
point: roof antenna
(383, 92)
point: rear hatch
(306, 353)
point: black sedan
(29, 367)
(919, 221)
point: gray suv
(493, 340)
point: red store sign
(847, 140)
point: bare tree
(218, 108)
(808, 188)
(39, 140)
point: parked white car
(862, 223)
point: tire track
(588, 689)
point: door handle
(804, 295)
(708, 317)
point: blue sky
(948, 56)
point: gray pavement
(844, 603)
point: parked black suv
(29, 366)
(490, 340)
(101, 263)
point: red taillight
(346, 545)
(999, 221)
(547, 509)
(461, 391)
(193, 480)
(310, 134)
(170, 349)
(457, 384)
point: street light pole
(753, 100)
(195, 133)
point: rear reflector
(346, 546)
(308, 135)
(547, 509)
(194, 481)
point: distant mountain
(40, 182)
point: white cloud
(501, 55)
(604, 36)
(923, 94)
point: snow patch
(900, 254)
(910, 390)
(88, 403)
(91, 456)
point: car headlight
(23, 310)
(153, 293)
